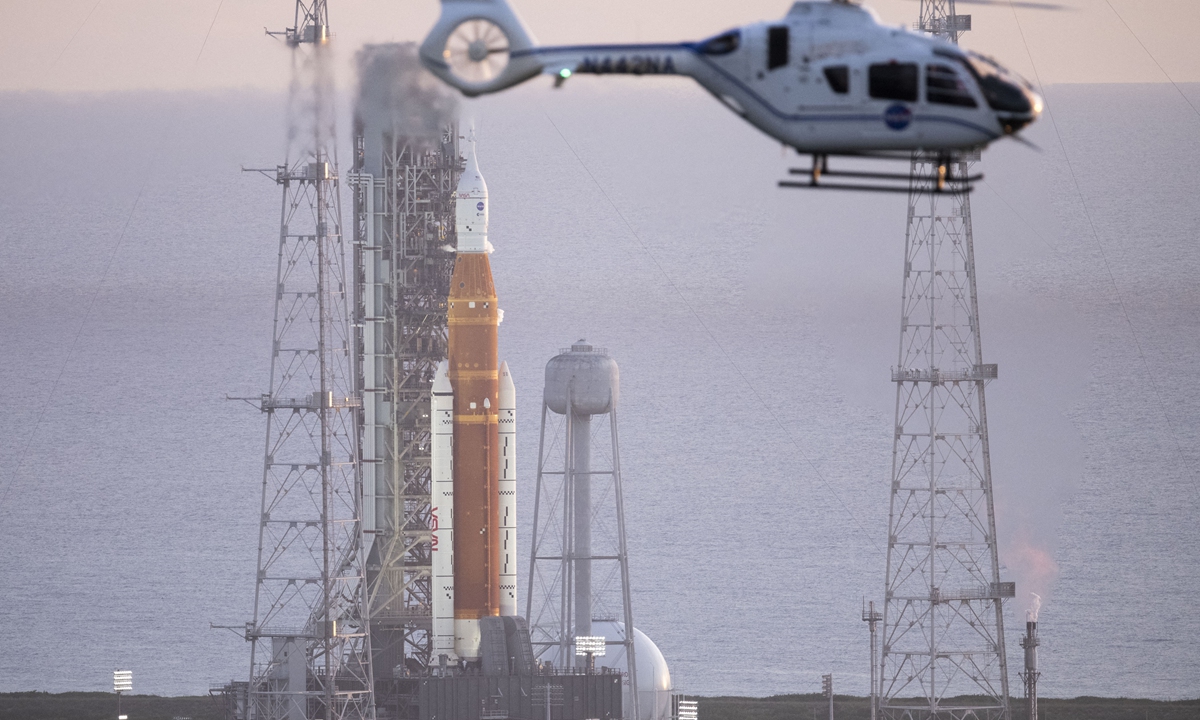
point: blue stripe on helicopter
(694, 49)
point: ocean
(754, 328)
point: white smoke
(399, 98)
(1031, 615)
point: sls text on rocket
(474, 443)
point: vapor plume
(1033, 567)
(398, 99)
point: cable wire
(112, 254)
(1100, 247)
(1151, 56)
(728, 358)
(76, 33)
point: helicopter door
(771, 52)
(771, 68)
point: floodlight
(122, 681)
(590, 645)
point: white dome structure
(653, 675)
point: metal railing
(989, 371)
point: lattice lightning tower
(310, 653)
(943, 653)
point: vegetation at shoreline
(849, 707)
(103, 706)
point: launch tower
(403, 227)
(943, 653)
(310, 648)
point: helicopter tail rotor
(479, 46)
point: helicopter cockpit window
(943, 86)
(722, 44)
(838, 77)
(893, 81)
(777, 46)
(1002, 89)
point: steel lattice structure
(943, 652)
(310, 651)
(404, 221)
(310, 624)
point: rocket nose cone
(470, 183)
(508, 391)
(441, 378)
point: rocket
(473, 453)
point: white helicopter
(827, 79)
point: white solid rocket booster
(442, 513)
(508, 492)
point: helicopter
(826, 79)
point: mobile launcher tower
(437, 427)
(403, 191)
(438, 450)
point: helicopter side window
(722, 44)
(943, 86)
(777, 46)
(838, 77)
(893, 81)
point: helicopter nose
(1035, 103)
(1016, 104)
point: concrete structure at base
(544, 696)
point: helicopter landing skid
(942, 181)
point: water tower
(579, 593)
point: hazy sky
(85, 45)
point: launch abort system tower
(943, 653)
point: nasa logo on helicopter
(897, 116)
(826, 79)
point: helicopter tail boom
(480, 46)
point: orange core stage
(474, 373)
